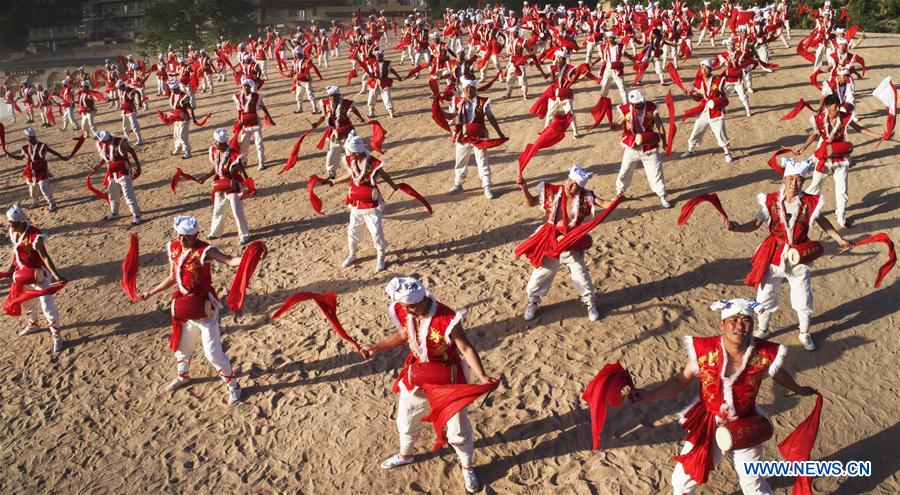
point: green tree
(198, 22)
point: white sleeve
(540, 194)
(487, 108)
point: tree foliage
(198, 22)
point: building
(285, 15)
(112, 20)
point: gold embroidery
(438, 347)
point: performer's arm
(784, 379)
(864, 130)
(669, 388)
(215, 254)
(386, 178)
(858, 42)
(398, 76)
(63, 158)
(494, 124)
(126, 147)
(42, 252)
(458, 337)
(602, 203)
(810, 140)
(396, 339)
(15, 156)
(659, 127)
(833, 233)
(744, 228)
(169, 281)
(530, 199)
(358, 115)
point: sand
(316, 419)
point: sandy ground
(96, 418)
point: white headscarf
(405, 290)
(220, 135)
(731, 307)
(102, 136)
(173, 84)
(332, 90)
(468, 82)
(30, 132)
(249, 82)
(186, 225)
(15, 213)
(579, 175)
(801, 168)
(635, 96)
(354, 144)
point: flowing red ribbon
(17, 295)
(551, 135)
(605, 389)
(670, 107)
(180, 174)
(313, 199)
(78, 142)
(796, 110)
(892, 255)
(673, 73)
(409, 191)
(327, 303)
(202, 122)
(378, 134)
(447, 400)
(689, 205)
(797, 447)
(483, 143)
(3, 138)
(601, 109)
(292, 158)
(130, 269)
(165, 118)
(437, 114)
(486, 86)
(773, 160)
(255, 252)
(96, 192)
(249, 188)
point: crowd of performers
(560, 50)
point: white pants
(310, 95)
(653, 169)
(523, 80)
(208, 331)
(657, 67)
(131, 119)
(412, 407)
(237, 209)
(385, 98)
(160, 86)
(703, 33)
(188, 90)
(670, 51)
(208, 83)
(682, 484)
(542, 277)
(494, 60)
(87, 124)
(47, 304)
(371, 219)
(610, 74)
(323, 58)
(463, 153)
(840, 172)
(254, 133)
(738, 88)
(554, 106)
(716, 125)
(591, 47)
(123, 186)
(263, 68)
(46, 191)
(11, 111)
(69, 118)
(180, 135)
(801, 294)
(334, 154)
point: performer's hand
(637, 396)
(369, 351)
(845, 244)
(143, 296)
(730, 225)
(487, 379)
(520, 181)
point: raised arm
(673, 386)
(395, 340)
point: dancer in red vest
(195, 306)
(565, 206)
(382, 81)
(729, 368)
(129, 101)
(182, 113)
(337, 117)
(229, 175)
(469, 112)
(37, 172)
(303, 68)
(642, 135)
(32, 268)
(710, 90)
(249, 103)
(438, 347)
(789, 215)
(120, 172)
(86, 108)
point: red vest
(476, 127)
(36, 168)
(638, 123)
(779, 224)
(179, 102)
(223, 168)
(730, 398)
(430, 341)
(24, 253)
(116, 160)
(191, 270)
(555, 201)
(339, 118)
(713, 90)
(247, 107)
(85, 103)
(362, 183)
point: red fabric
(484, 143)
(292, 159)
(17, 295)
(313, 199)
(694, 111)
(235, 130)
(551, 135)
(605, 389)
(202, 122)
(249, 260)
(130, 269)
(670, 107)
(434, 86)
(378, 134)
(268, 120)
(892, 255)
(701, 427)
(321, 143)
(447, 400)
(603, 108)
(409, 191)
(179, 174)
(673, 73)
(437, 114)
(539, 108)
(814, 79)
(760, 261)
(486, 86)
(165, 118)
(796, 110)
(78, 142)
(688, 208)
(773, 160)
(3, 138)
(250, 188)
(891, 122)
(327, 303)
(96, 192)
(804, 52)
(415, 70)
(797, 446)
(350, 75)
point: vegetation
(198, 22)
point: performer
(37, 173)
(709, 90)
(337, 118)
(364, 198)
(611, 54)
(30, 258)
(829, 126)
(789, 215)
(381, 81)
(229, 174)
(114, 153)
(129, 101)
(562, 100)
(469, 112)
(190, 272)
(303, 80)
(248, 103)
(730, 368)
(9, 99)
(67, 95)
(642, 133)
(565, 206)
(734, 62)
(86, 108)
(182, 114)
(436, 341)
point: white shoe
(761, 333)
(379, 264)
(664, 201)
(748, 113)
(593, 313)
(29, 329)
(687, 154)
(234, 395)
(807, 341)
(728, 158)
(348, 261)
(470, 480)
(244, 240)
(455, 189)
(530, 310)
(262, 166)
(396, 461)
(487, 192)
(177, 383)
(57, 344)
